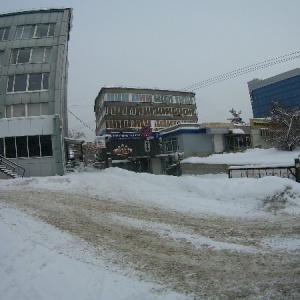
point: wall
(201, 169)
(196, 144)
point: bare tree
(236, 119)
(285, 127)
(76, 134)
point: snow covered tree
(236, 119)
(285, 127)
(76, 134)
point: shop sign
(122, 150)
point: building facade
(260, 133)
(130, 119)
(284, 88)
(205, 139)
(129, 109)
(33, 89)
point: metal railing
(258, 172)
(12, 166)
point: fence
(258, 172)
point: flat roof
(23, 11)
(258, 83)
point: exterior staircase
(10, 169)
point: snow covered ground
(39, 261)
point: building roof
(258, 83)
(35, 11)
(143, 91)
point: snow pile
(189, 194)
(249, 157)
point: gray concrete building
(33, 90)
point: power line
(242, 71)
(81, 121)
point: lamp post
(297, 169)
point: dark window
(45, 81)
(51, 29)
(34, 146)
(46, 145)
(20, 83)
(1, 57)
(47, 55)
(174, 144)
(24, 56)
(1, 147)
(10, 84)
(10, 147)
(4, 34)
(22, 150)
(14, 57)
(41, 30)
(28, 82)
(35, 82)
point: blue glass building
(284, 88)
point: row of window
(30, 55)
(141, 123)
(28, 82)
(26, 110)
(29, 31)
(123, 97)
(26, 146)
(150, 110)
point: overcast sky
(171, 44)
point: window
(24, 32)
(34, 145)
(27, 110)
(8, 111)
(10, 147)
(1, 57)
(19, 110)
(35, 31)
(1, 147)
(21, 142)
(26, 146)
(40, 55)
(171, 145)
(20, 82)
(46, 145)
(33, 109)
(4, 34)
(30, 55)
(28, 82)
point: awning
(74, 141)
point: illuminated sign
(122, 150)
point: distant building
(205, 139)
(130, 119)
(33, 90)
(129, 109)
(260, 133)
(284, 88)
